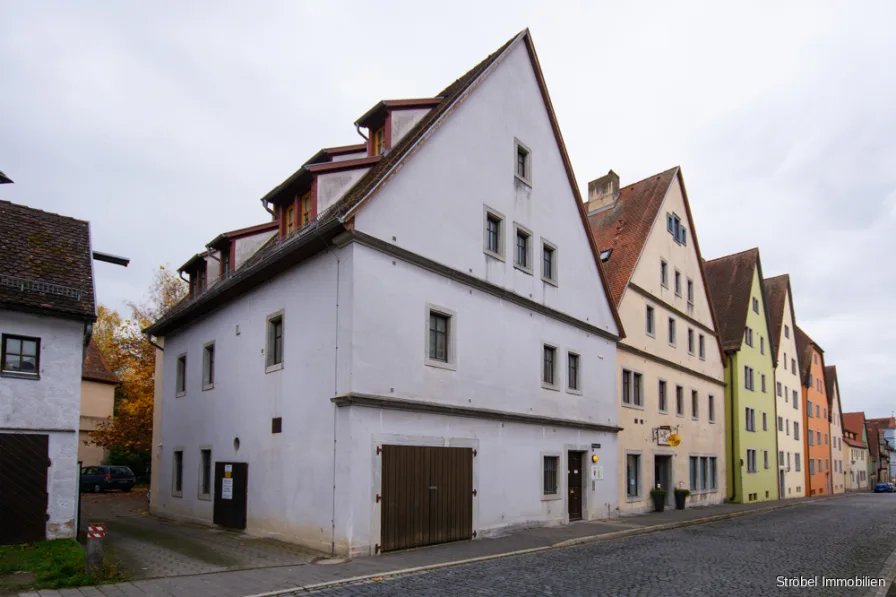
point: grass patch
(54, 564)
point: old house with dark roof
(879, 450)
(736, 286)
(408, 359)
(819, 472)
(670, 371)
(855, 435)
(887, 427)
(789, 422)
(46, 315)
(98, 384)
(832, 387)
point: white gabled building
(410, 359)
(46, 316)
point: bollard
(96, 531)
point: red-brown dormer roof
(95, 367)
(625, 225)
(380, 108)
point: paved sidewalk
(258, 581)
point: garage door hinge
(474, 492)
(378, 498)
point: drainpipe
(264, 204)
(149, 339)
(358, 128)
(735, 457)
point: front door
(574, 485)
(231, 494)
(662, 474)
(24, 459)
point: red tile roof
(730, 283)
(854, 422)
(95, 367)
(47, 262)
(884, 423)
(625, 225)
(832, 386)
(855, 443)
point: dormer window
(379, 141)
(305, 205)
(225, 261)
(197, 280)
(290, 219)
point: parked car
(881, 488)
(100, 478)
(891, 487)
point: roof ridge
(732, 255)
(43, 211)
(647, 178)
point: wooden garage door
(23, 487)
(427, 496)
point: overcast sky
(163, 124)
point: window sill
(663, 412)
(574, 392)
(712, 422)
(177, 494)
(703, 491)
(679, 415)
(272, 368)
(180, 394)
(633, 498)
(552, 387)
(497, 256)
(652, 335)
(440, 364)
(632, 406)
(525, 181)
(20, 375)
(525, 270)
(208, 386)
(551, 498)
(673, 345)
(206, 497)
(695, 418)
(550, 281)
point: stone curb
(560, 545)
(888, 573)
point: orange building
(816, 418)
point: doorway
(662, 474)
(574, 485)
(231, 494)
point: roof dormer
(390, 120)
(197, 269)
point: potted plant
(681, 495)
(659, 499)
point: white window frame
(211, 474)
(692, 341)
(180, 376)
(650, 320)
(672, 331)
(662, 383)
(690, 291)
(517, 228)
(554, 279)
(517, 145)
(676, 281)
(679, 412)
(544, 384)
(639, 481)
(451, 349)
(552, 496)
(269, 365)
(701, 346)
(209, 365)
(711, 408)
(639, 405)
(664, 273)
(578, 389)
(487, 213)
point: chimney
(603, 191)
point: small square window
(21, 355)
(441, 333)
(551, 470)
(274, 353)
(493, 234)
(548, 262)
(573, 372)
(523, 165)
(522, 253)
(180, 387)
(208, 366)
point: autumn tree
(132, 358)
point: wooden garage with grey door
(427, 496)
(24, 459)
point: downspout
(735, 457)
(264, 204)
(358, 128)
(156, 346)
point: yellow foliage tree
(132, 358)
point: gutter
(735, 457)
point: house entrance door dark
(574, 485)
(662, 475)
(24, 459)
(231, 494)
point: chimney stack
(603, 191)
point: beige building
(670, 365)
(788, 393)
(97, 402)
(838, 468)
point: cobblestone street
(743, 556)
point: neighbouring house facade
(736, 287)
(413, 362)
(47, 312)
(859, 457)
(880, 453)
(887, 428)
(817, 422)
(670, 370)
(791, 431)
(98, 385)
(838, 470)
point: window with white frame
(674, 227)
(701, 347)
(712, 408)
(205, 473)
(750, 418)
(811, 466)
(523, 166)
(672, 331)
(633, 475)
(208, 366)
(797, 462)
(811, 438)
(274, 353)
(632, 388)
(662, 397)
(690, 341)
(522, 254)
(549, 366)
(679, 401)
(748, 378)
(695, 405)
(181, 376)
(664, 273)
(493, 234)
(796, 430)
(765, 458)
(690, 292)
(548, 262)
(677, 283)
(573, 372)
(748, 336)
(703, 473)
(650, 321)
(441, 331)
(796, 400)
(751, 461)
(550, 470)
